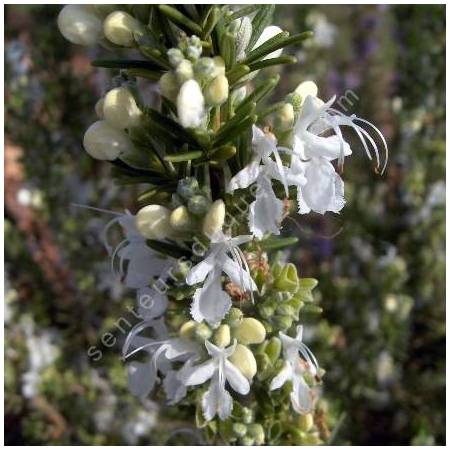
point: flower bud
(219, 65)
(184, 71)
(187, 330)
(120, 109)
(180, 219)
(284, 119)
(204, 69)
(214, 218)
(153, 222)
(244, 360)
(256, 431)
(198, 205)
(283, 322)
(305, 422)
(168, 85)
(287, 280)
(246, 441)
(243, 35)
(222, 337)
(80, 25)
(190, 105)
(187, 187)
(266, 311)
(102, 141)
(202, 332)
(285, 310)
(120, 28)
(250, 331)
(234, 317)
(295, 100)
(247, 415)
(216, 92)
(175, 56)
(239, 429)
(273, 349)
(193, 52)
(306, 88)
(99, 108)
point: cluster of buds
(195, 83)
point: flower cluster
(217, 309)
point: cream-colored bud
(120, 108)
(180, 219)
(305, 422)
(184, 71)
(187, 329)
(102, 141)
(285, 117)
(216, 92)
(219, 66)
(120, 28)
(222, 337)
(244, 360)
(169, 86)
(80, 25)
(250, 331)
(214, 218)
(306, 88)
(190, 105)
(153, 222)
(99, 108)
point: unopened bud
(214, 218)
(256, 431)
(153, 222)
(187, 330)
(247, 415)
(287, 280)
(169, 86)
(198, 205)
(273, 349)
(80, 25)
(190, 105)
(193, 53)
(239, 429)
(244, 360)
(283, 322)
(305, 422)
(99, 108)
(306, 88)
(175, 56)
(120, 28)
(216, 92)
(187, 187)
(102, 141)
(219, 66)
(204, 69)
(120, 108)
(184, 71)
(180, 219)
(202, 332)
(285, 310)
(234, 317)
(284, 119)
(222, 336)
(250, 331)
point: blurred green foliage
(382, 339)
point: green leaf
(156, 56)
(181, 157)
(180, 19)
(233, 132)
(272, 44)
(168, 248)
(210, 22)
(262, 19)
(246, 11)
(144, 73)
(272, 62)
(229, 49)
(275, 243)
(236, 73)
(262, 90)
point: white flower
(142, 376)
(190, 105)
(217, 400)
(143, 263)
(151, 303)
(210, 302)
(295, 367)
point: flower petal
(238, 275)
(284, 375)
(200, 271)
(175, 390)
(151, 304)
(237, 381)
(302, 396)
(216, 400)
(245, 177)
(198, 374)
(141, 378)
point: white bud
(306, 88)
(214, 218)
(243, 35)
(79, 25)
(180, 219)
(190, 105)
(216, 92)
(285, 117)
(268, 33)
(244, 360)
(219, 65)
(102, 141)
(169, 86)
(175, 56)
(120, 108)
(99, 108)
(153, 222)
(120, 27)
(184, 71)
